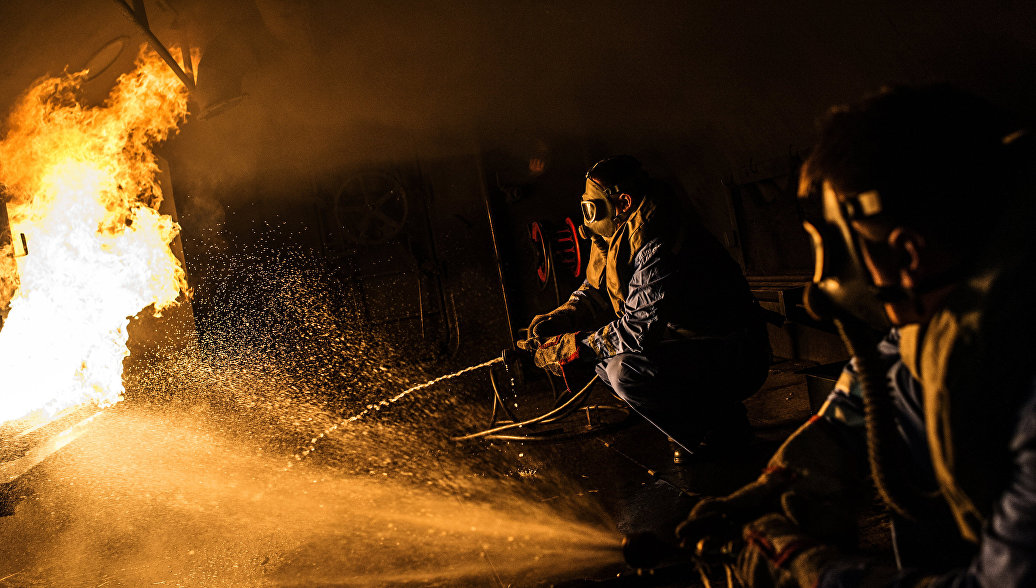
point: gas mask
(841, 283)
(599, 214)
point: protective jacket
(975, 445)
(659, 278)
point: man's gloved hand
(563, 319)
(572, 316)
(811, 481)
(715, 524)
(777, 553)
(555, 351)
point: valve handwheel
(371, 207)
(569, 240)
(540, 249)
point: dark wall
(457, 98)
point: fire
(81, 184)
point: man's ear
(623, 202)
(910, 249)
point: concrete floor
(631, 474)
(575, 496)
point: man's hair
(939, 158)
(623, 172)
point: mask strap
(892, 294)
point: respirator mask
(842, 284)
(599, 213)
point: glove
(714, 525)
(810, 480)
(562, 320)
(778, 554)
(555, 352)
(574, 315)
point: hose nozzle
(645, 551)
(509, 356)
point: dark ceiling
(328, 81)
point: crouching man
(665, 314)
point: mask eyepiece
(589, 208)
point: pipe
(496, 248)
(138, 15)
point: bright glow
(81, 184)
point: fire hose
(564, 406)
(495, 431)
(551, 416)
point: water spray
(386, 402)
(497, 430)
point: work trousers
(687, 388)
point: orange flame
(81, 184)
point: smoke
(331, 84)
